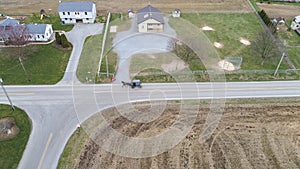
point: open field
(251, 134)
(11, 150)
(14, 7)
(228, 29)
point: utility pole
(1, 83)
(282, 56)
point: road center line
(45, 150)
(200, 90)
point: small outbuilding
(130, 13)
(74, 12)
(150, 19)
(176, 13)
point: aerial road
(56, 111)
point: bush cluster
(62, 40)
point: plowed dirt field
(248, 136)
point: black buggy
(136, 83)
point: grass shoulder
(11, 150)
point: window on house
(66, 18)
(87, 19)
(70, 19)
(38, 36)
(85, 13)
(63, 13)
(76, 13)
(68, 13)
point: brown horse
(125, 84)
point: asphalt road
(57, 110)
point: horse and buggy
(133, 84)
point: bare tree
(182, 50)
(265, 46)
(19, 36)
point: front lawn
(45, 64)
(89, 59)
(11, 150)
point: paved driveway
(77, 36)
(131, 42)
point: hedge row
(267, 21)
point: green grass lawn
(228, 29)
(292, 41)
(89, 59)
(54, 20)
(45, 64)
(11, 150)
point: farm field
(14, 7)
(251, 134)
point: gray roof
(36, 28)
(149, 12)
(75, 6)
(9, 22)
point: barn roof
(149, 12)
(75, 6)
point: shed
(130, 13)
(176, 13)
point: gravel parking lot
(131, 42)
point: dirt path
(248, 136)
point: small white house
(150, 19)
(296, 23)
(74, 12)
(176, 13)
(40, 32)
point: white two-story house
(74, 12)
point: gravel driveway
(131, 42)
